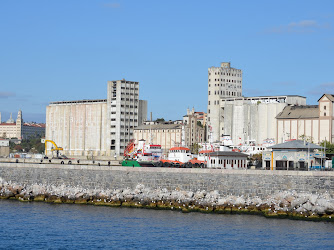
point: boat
(142, 154)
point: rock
(240, 201)
(299, 201)
(308, 206)
(318, 210)
(199, 195)
(313, 198)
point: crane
(56, 148)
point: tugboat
(181, 157)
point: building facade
(312, 122)
(20, 130)
(194, 128)
(223, 82)
(79, 127)
(227, 160)
(251, 120)
(101, 127)
(167, 135)
(294, 155)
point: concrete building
(252, 119)
(4, 148)
(100, 127)
(167, 134)
(223, 82)
(293, 155)
(314, 122)
(194, 129)
(79, 127)
(19, 129)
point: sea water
(61, 226)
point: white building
(97, 127)
(252, 119)
(227, 160)
(124, 113)
(223, 82)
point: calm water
(50, 226)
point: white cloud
(324, 88)
(111, 5)
(6, 94)
(303, 26)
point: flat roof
(78, 101)
(263, 97)
(227, 153)
(158, 126)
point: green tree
(329, 147)
(199, 124)
(195, 148)
(306, 138)
(160, 120)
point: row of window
(237, 163)
(215, 102)
(129, 88)
(226, 80)
(226, 74)
(167, 130)
(122, 126)
(126, 133)
(229, 93)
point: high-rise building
(123, 108)
(223, 82)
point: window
(325, 114)
(324, 107)
(209, 92)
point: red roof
(205, 151)
(179, 148)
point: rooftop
(299, 112)
(79, 101)
(228, 153)
(158, 126)
(296, 144)
(329, 96)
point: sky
(60, 50)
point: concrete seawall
(247, 183)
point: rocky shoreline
(287, 204)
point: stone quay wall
(247, 183)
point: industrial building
(247, 120)
(166, 134)
(252, 119)
(100, 127)
(313, 122)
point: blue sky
(68, 50)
